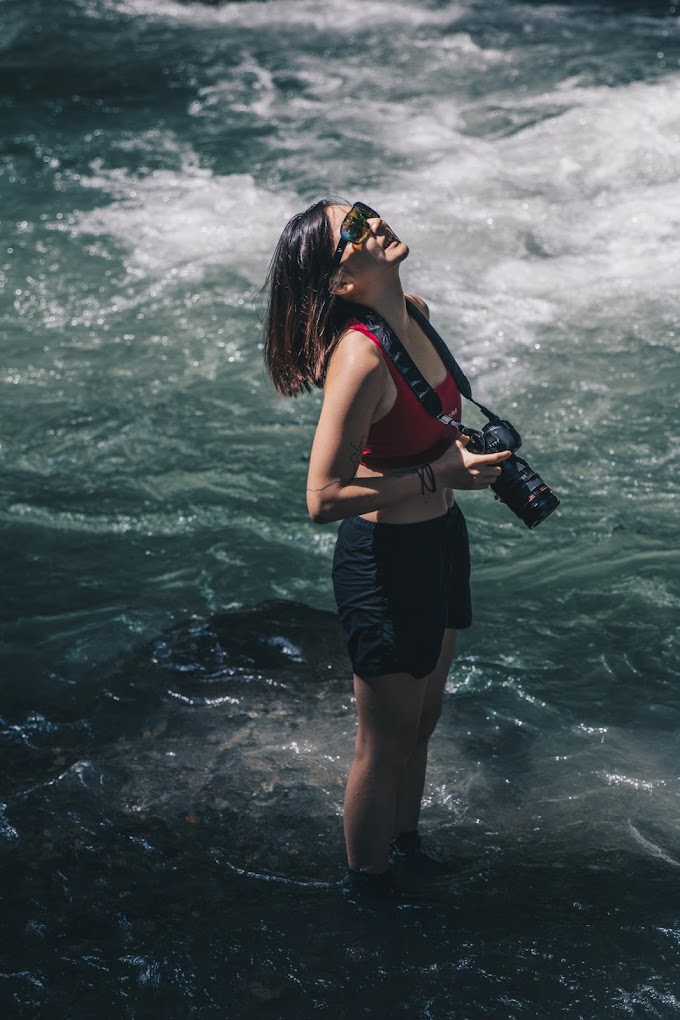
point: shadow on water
(190, 866)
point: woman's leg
(389, 710)
(412, 780)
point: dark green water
(176, 722)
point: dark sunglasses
(355, 228)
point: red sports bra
(407, 434)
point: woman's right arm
(354, 388)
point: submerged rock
(283, 639)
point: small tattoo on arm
(354, 458)
(327, 486)
(356, 454)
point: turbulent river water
(176, 719)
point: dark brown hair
(304, 319)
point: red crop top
(407, 434)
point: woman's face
(382, 249)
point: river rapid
(176, 721)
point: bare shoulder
(357, 357)
(420, 304)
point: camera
(518, 486)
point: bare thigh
(389, 709)
(435, 684)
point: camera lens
(524, 491)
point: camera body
(496, 436)
(518, 486)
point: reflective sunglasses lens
(355, 227)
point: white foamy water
(180, 222)
(352, 15)
(573, 216)
(570, 216)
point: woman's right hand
(459, 468)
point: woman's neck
(390, 303)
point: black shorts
(398, 587)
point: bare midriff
(412, 510)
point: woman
(388, 471)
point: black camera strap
(398, 354)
